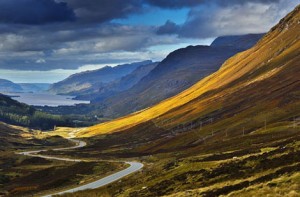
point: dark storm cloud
(49, 11)
(34, 11)
(168, 28)
(48, 37)
(45, 49)
(66, 34)
(104, 10)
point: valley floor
(24, 175)
(256, 164)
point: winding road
(134, 166)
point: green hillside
(13, 112)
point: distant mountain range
(34, 87)
(143, 84)
(256, 91)
(177, 72)
(121, 84)
(89, 82)
(9, 86)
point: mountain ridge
(9, 86)
(239, 41)
(177, 72)
(119, 85)
(88, 81)
(278, 51)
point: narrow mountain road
(134, 167)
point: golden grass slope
(277, 51)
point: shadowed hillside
(234, 133)
(91, 81)
(262, 78)
(122, 84)
(13, 112)
(177, 72)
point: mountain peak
(237, 41)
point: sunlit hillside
(147, 98)
(266, 75)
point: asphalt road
(134, 167)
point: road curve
(134, 166)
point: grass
(26, 176)
(287, 185)
(215, 168)
(252, 75)
(231, 134)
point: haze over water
(44, 99)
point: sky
(47, 40)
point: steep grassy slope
(235, 133)
(177, 72)
(262, 78)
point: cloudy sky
(47, 40)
